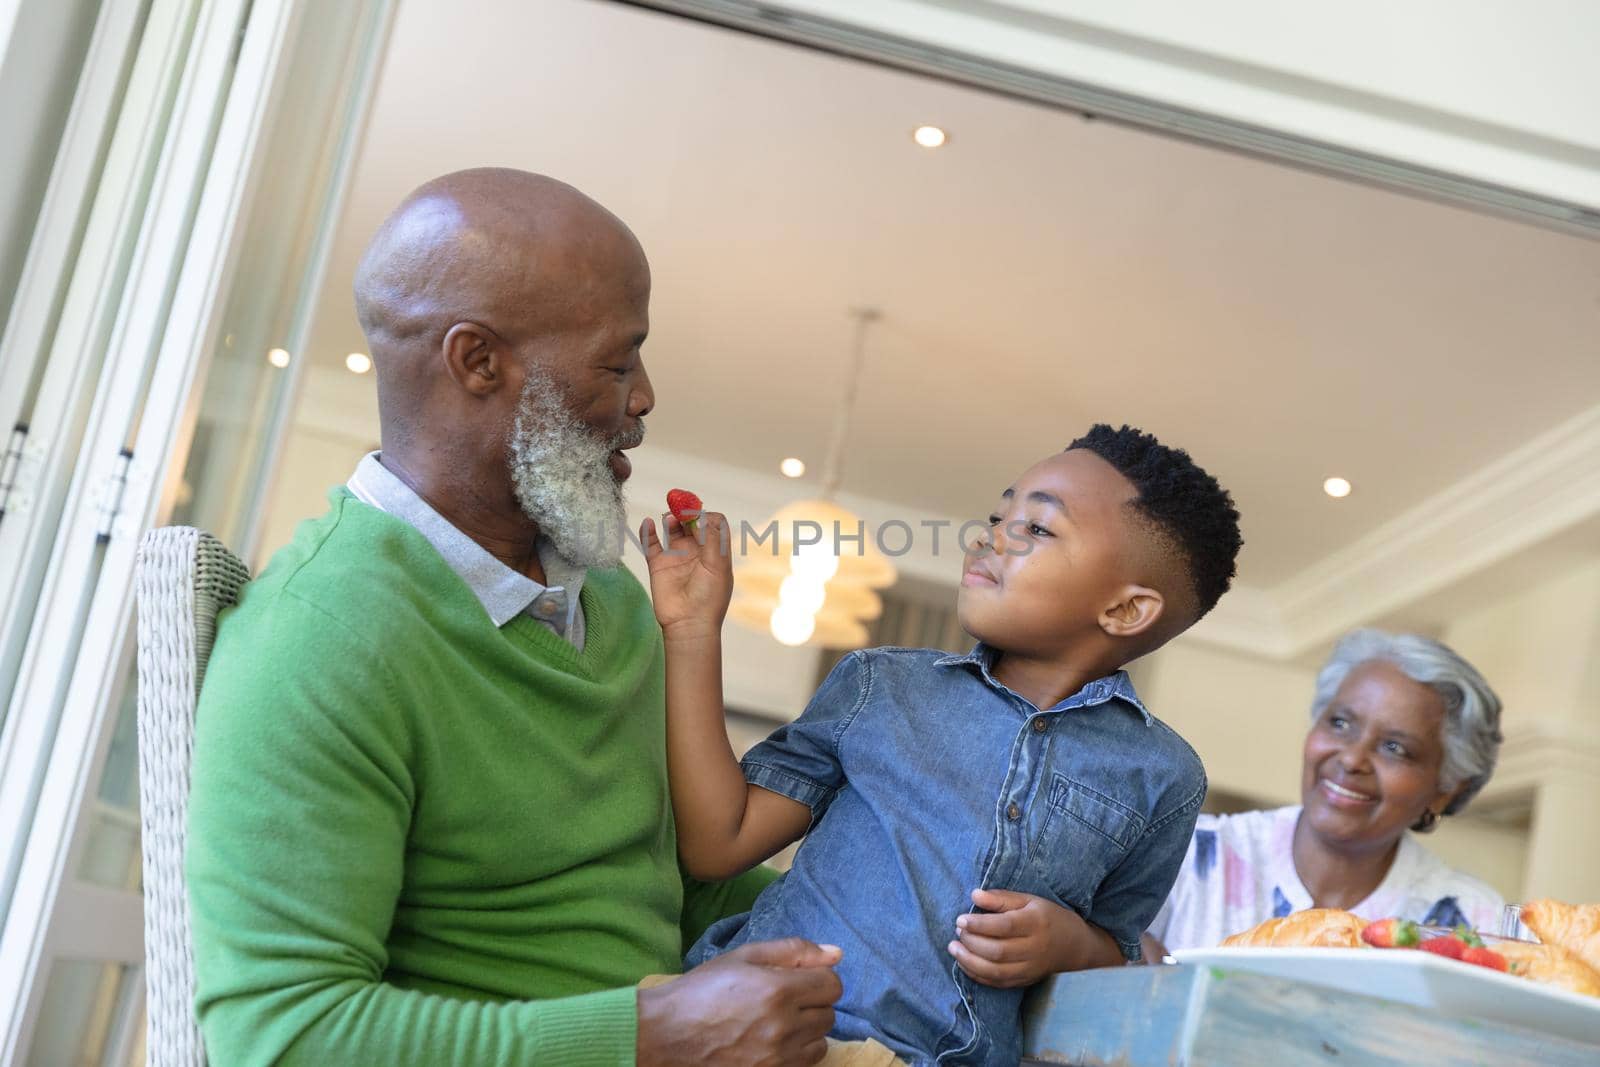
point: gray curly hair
(1471, 730)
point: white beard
(561, 472)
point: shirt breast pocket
(1085, 835)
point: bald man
(429, 817)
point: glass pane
(83, 1002)
(39, 84)
(111, 853)
(270, 300)
(229, 455)
(90, 1011)
(136, 1047)
(111, 856)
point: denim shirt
(926, 779)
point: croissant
(1550, 964)
(1312, 928)
(1575, 927)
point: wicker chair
(185, 579)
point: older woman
(1404, 732)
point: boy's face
(1054, 560)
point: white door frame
(104, 343)
(67, 296)
(166, 327)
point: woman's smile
(1339, 796)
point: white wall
(1498, 90)
(1246, 716)
(1497, 854)
(1539, 647)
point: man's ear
(474, 358)
(1136, 609)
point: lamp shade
(823, 526)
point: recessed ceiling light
(278, 357)
(928, 136)
(358, 362)
(1336, 487)
(792, 467)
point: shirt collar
(503, 592)
(1116, 686)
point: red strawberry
(1390, 933)
(1450, 946)
(1484, 957)
(686, 506)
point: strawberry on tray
(1449, 946)
(1462, 943)
(1483, 956)
(1390, 933)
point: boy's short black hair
(1185, 505)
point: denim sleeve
(1158, 926)
(1132, 894)
(801, 759)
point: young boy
(1027, 768)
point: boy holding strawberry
(973, 822)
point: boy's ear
(1135, 611)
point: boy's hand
(1024, 939)
(691, 576)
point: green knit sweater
(417, 838)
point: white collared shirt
(503, 592)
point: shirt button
(1039, 725)
(1013, 812)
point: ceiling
(1039, 273)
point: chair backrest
(185, 577)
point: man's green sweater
(418, 838)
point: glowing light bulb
(929, 136)
(792, 467)
(816, 562)
(802, 593)
(358, 362)
(278, 357)
(792, 627)
(1336, 488)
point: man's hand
(1024, 939)
(691, 576)
(768, 1004)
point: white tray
(1422, 980)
